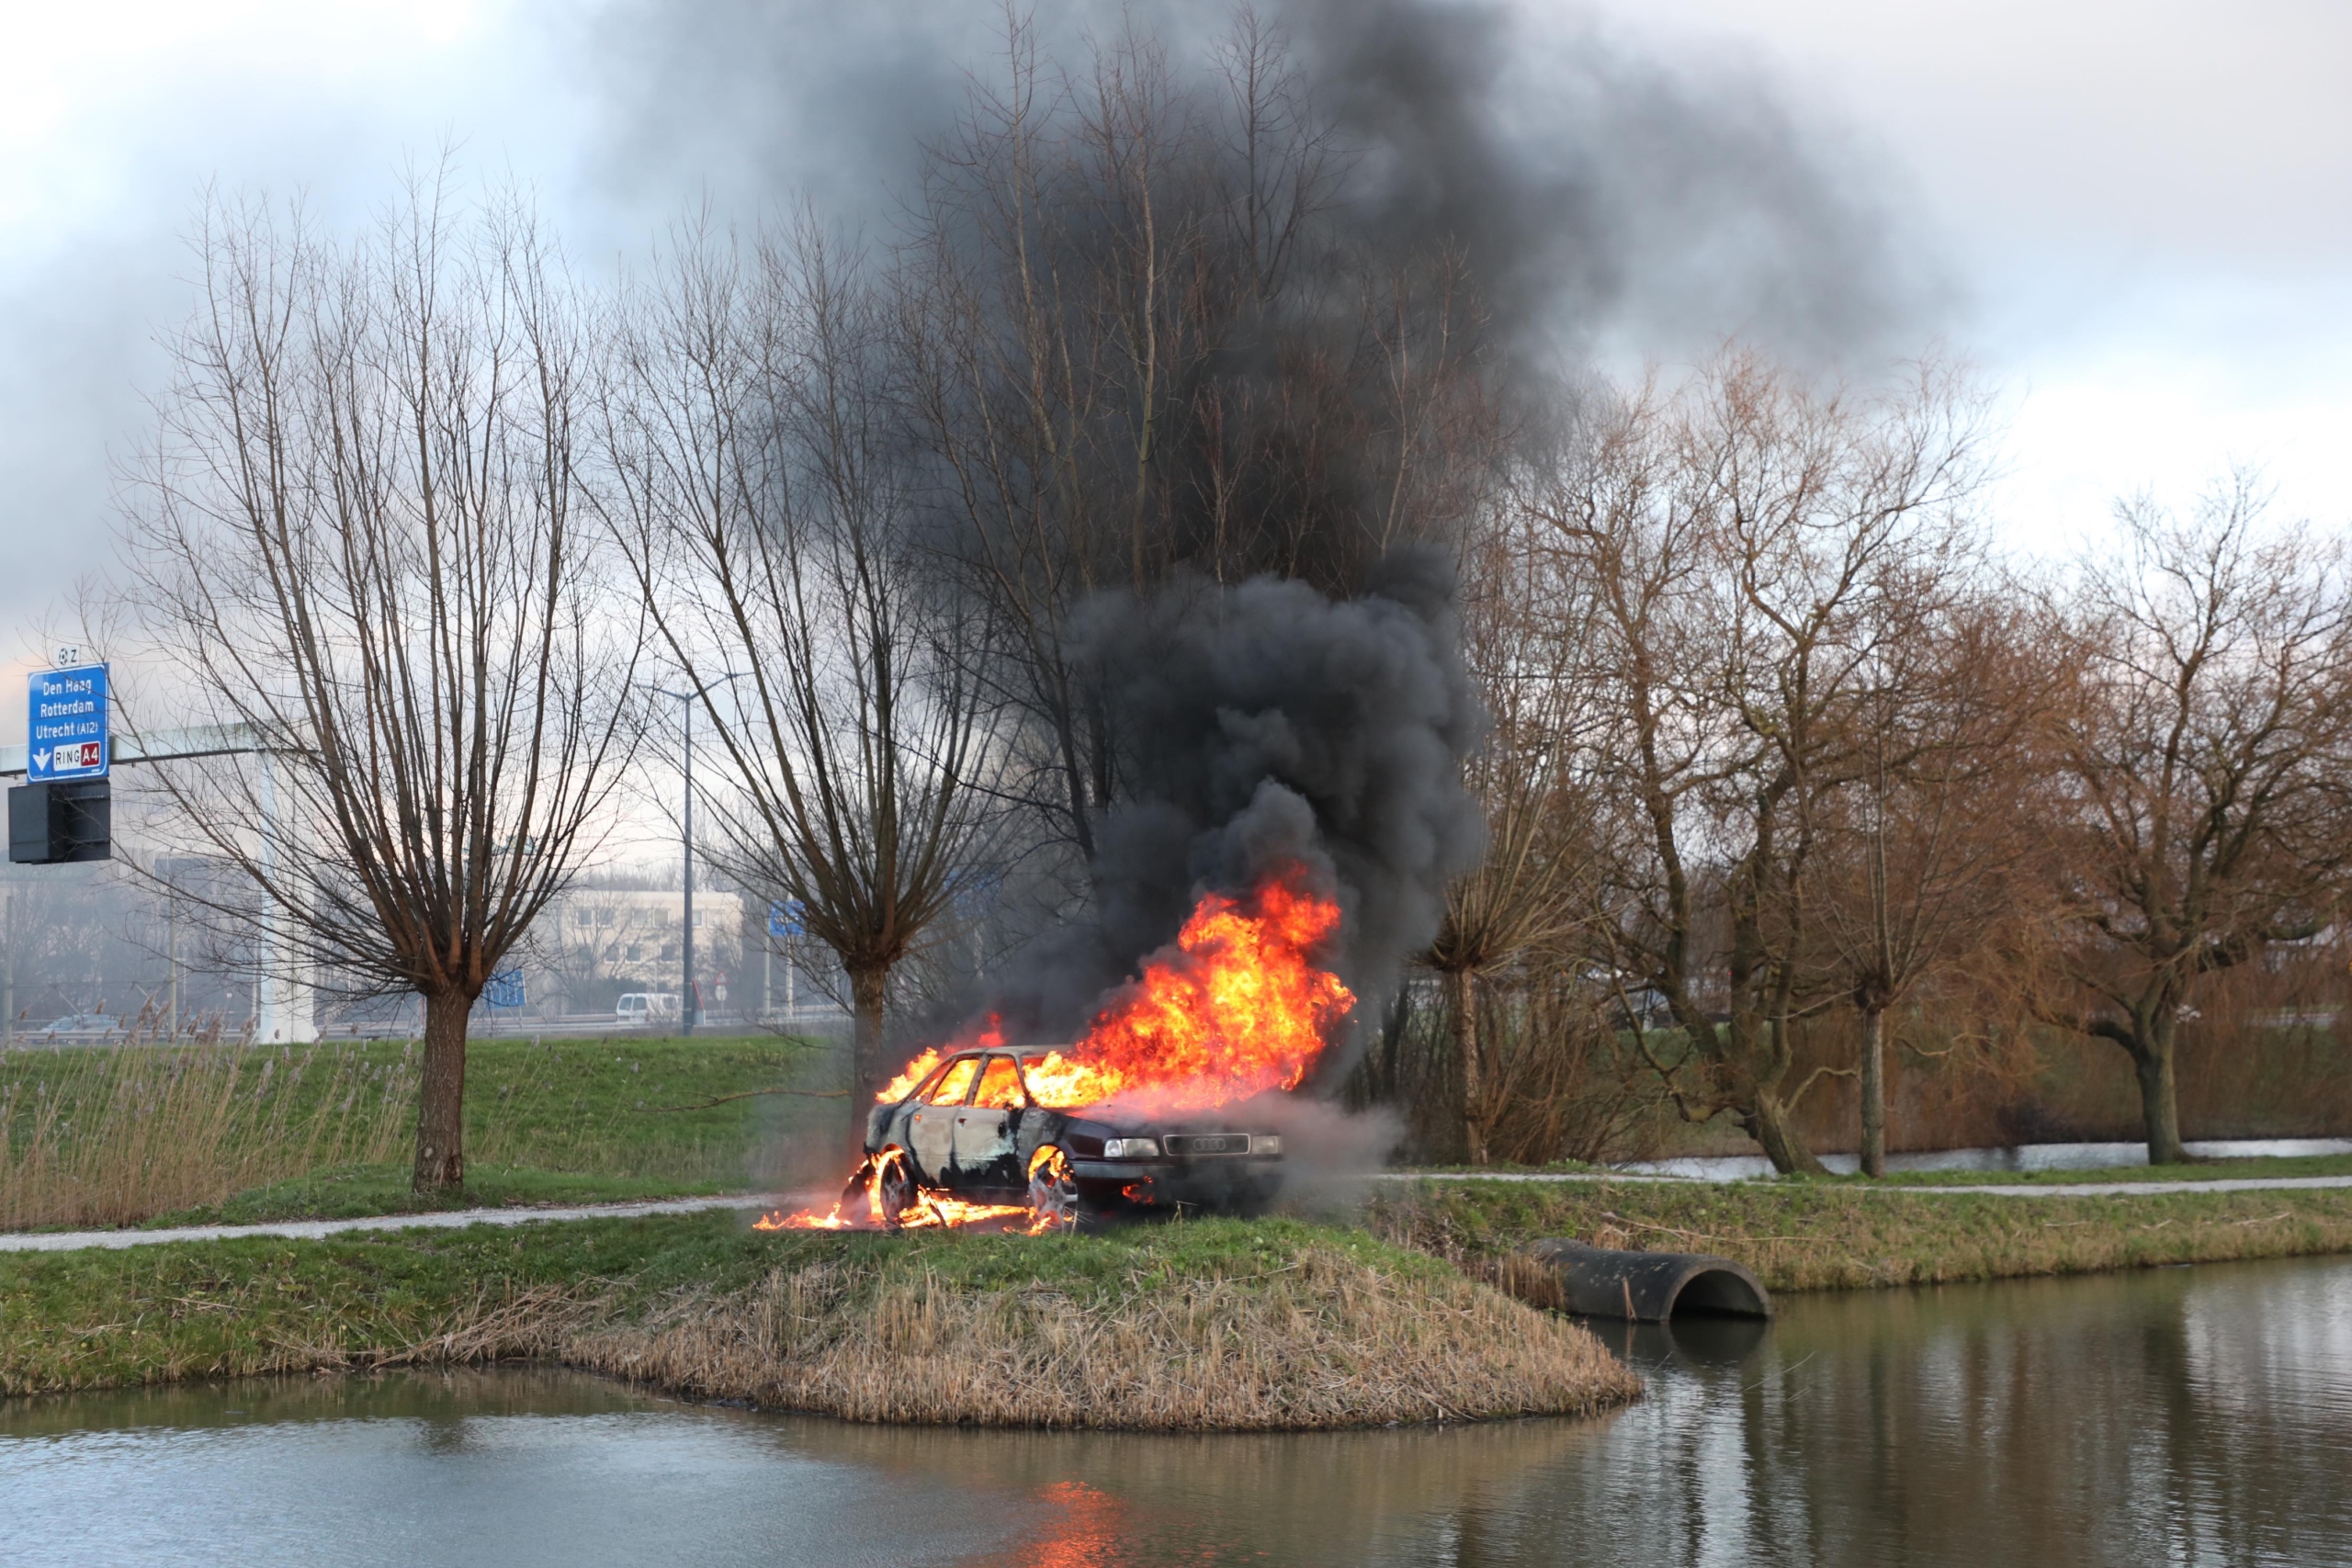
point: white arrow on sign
(41, 762)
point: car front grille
(1206, 1143)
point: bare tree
(761, 488)
(1925, 850)
(1733, 537)
(1535, 888)
(356, 554)
(2206, 745)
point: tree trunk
(441, 1095)
(868, 1071)
(1462, 1008)
(1767, 1123)
(2159, 1102)
(1875, 1092)
(1392, 1043)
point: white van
(647, 1007)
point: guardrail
(806, 1019)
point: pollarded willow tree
(759, 481)
(356, 558)
(1534, 890)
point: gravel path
(311, 1230)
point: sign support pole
(283, 1013)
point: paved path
(2009, 1190)
(311, 1230)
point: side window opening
(1000, 1086)
(954, 1081)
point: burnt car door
(987, 1129)
(930, 1130)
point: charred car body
(973, 1131)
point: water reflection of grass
(1204, 1324)
(216, 1130)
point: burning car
(978, 1133)
(1151, 1109)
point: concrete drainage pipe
(1646, 1287)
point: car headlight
(1130, 1148)
(1266, 1144)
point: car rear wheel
(1054, 1203)
(892, 1193)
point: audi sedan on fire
(973, 1131)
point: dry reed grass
(1286, 1330)
(1814, 1238)
(1326, 1341)
(108, 1135)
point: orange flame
(930, 1208)
(1237, 1007)
(989, 1036)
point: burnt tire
(1054, 1203)
(892, 1190)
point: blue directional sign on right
(784, 918)
(66, 737)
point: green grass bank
(1213, 1324)
(1813, 1236)
(96, 1137)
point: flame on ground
(929, 1210)
(1236, 1007)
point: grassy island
(1208, 1325)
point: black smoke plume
(1262, 727)
(1602, 195)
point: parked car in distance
(83, 1026)
(973, 1131)
(647, 1007)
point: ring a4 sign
(504, 989)
(66, 735)
(64, 809)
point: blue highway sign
(66, 738)
(505, 989)
(784, 919)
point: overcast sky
(2143, 208)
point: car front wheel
(1054, 1203)
(892, 1193)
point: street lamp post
(689, 1012)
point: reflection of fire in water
(1236, 1007)
(1089, 1529)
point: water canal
(2189, 1416)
